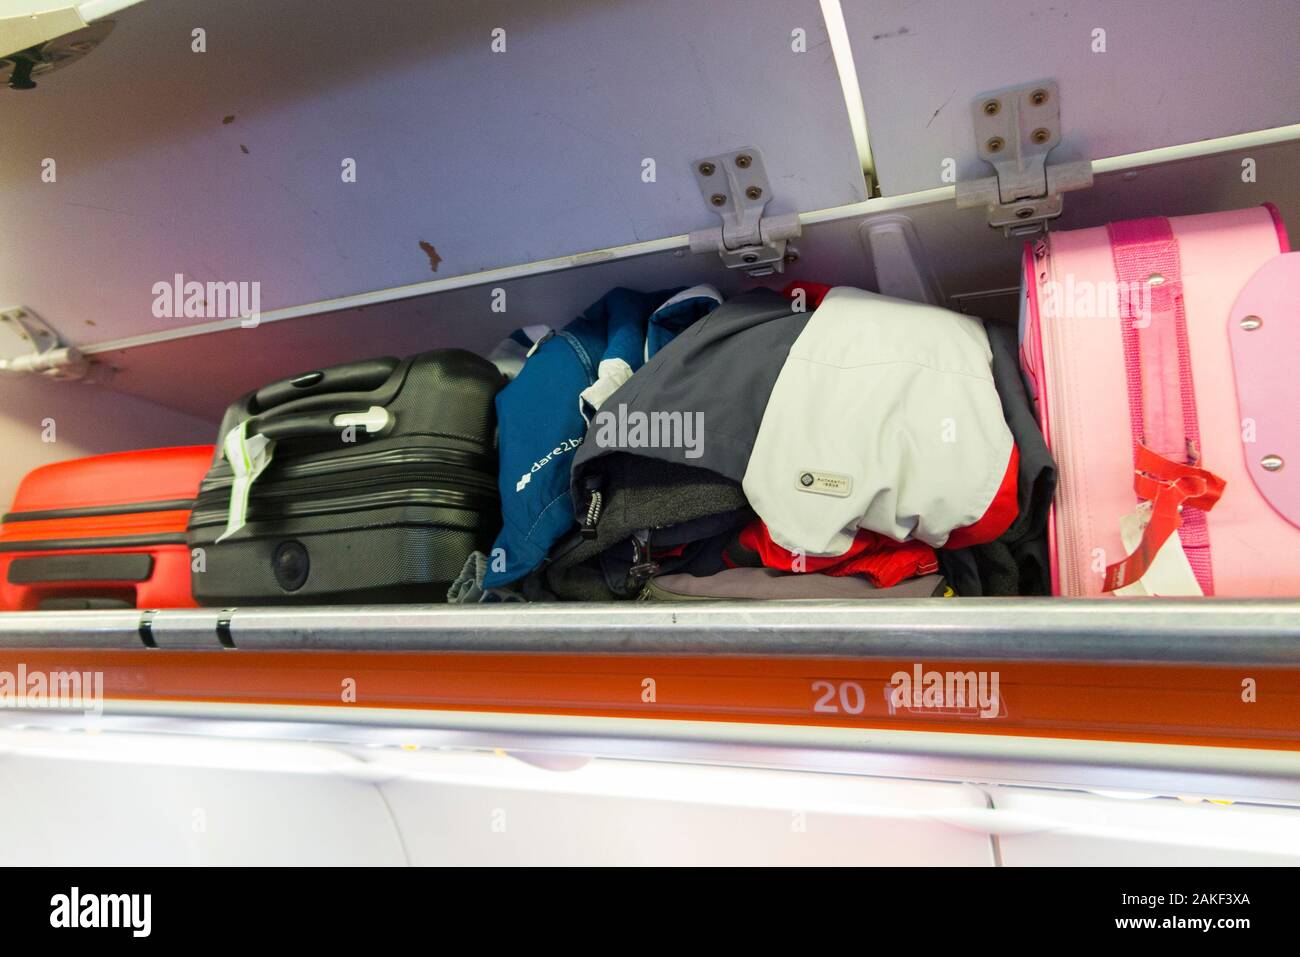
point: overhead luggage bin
(389, 174)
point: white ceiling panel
(1172, 72)
(226, 165)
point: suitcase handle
(362, 376)
(375, 420)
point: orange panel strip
(1164, 704)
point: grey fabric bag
(769, 583)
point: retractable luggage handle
(372, 420)
(364, 376)
(326, 401)
(141, 578)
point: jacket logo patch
(823, 483)
(568, 445)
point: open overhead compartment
(400, 177)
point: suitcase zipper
(472, 462)
(96, 511)
(279, 487)
(93, 543)
(1067, 555)
(395, 490)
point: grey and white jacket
(867, 413)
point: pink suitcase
(1162, 354)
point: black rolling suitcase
(382, 480)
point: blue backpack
(541, 419)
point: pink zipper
(1045, 350)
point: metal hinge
(29, 344)
(1015, 130)
(44, 42)
(735, 186)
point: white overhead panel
(481, 134)
(959, 260)
(237, 360)
(1132, 76)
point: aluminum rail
(866, 208)
(1172, 632)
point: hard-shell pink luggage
(1162, 354)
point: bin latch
(1015, 130)
(735, 186)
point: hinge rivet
(995, 144)
(717, 199)
(992, 107)
(706, 169)
(1251, 323)
(1272, 463)
(753, 192)
(1040, 135)
(1038, 97)
(743, 160)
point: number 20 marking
(852, 699)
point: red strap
(1154, 472)
(1158, 365)
(1169, 486)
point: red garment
(882, 560)
(814, 292)
(997, 518)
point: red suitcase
(103, 532)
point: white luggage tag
(1170, 574)
(248, 457)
